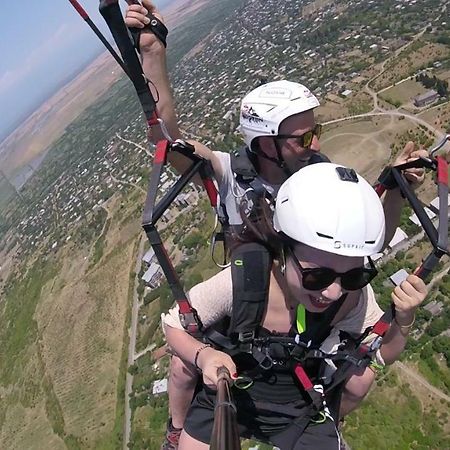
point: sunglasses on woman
(318, 278)
(305, 139)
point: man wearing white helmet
(276, 121)
(319, 293)
(281, 135)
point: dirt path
(132, 347)
(415, 376)
(140, 147)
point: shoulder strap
(242, 167)
(251, 263)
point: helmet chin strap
(281, 162)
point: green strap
(301, 319)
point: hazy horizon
(55, 48)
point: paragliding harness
(302, 347)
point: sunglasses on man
(318, 278)
(303, 140)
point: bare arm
(153, 55)
(355, 389)
(406, 297)
(393, 202)
(193, 351)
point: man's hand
(414, 175)
(136, 17)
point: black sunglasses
(305, 139)
(315, 279)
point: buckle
(376, 344)
(190, 324)
(387, 179)
(246, 337)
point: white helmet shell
(264, 108)
(331, 208)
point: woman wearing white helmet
(319, 243)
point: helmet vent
(324, 235)
(285, 200)
(369, 242)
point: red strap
(380, 328)
(442, 170)
(79, 9)
(379, 189)
(184, 306)
(302, 377)
(161, 151)
(153, 120)
(211, 191)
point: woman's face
(317, 300)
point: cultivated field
(79, 322)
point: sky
(42, 44)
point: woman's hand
(209, 361)
(407, 297)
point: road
(377, 110)
(132, 346)
(140, 147)
(413, 374)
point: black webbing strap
(438, 237)
(251, 264)
(155, 26)
(112, 14)
(153, 212)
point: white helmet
(264, 108)
(331, 208)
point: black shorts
(281, 430)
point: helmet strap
(281, 162)
(283, 260)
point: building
(425, 99)
(434, 307)
(346, 93)
(414, 219)
(435, 202)
(159, 387)
(149, 256)
(399, 237)
(153, 275)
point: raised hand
(136, 17)
(409, 153)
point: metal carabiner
(243, 382)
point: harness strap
(155, 26)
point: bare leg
(355, 390)
(182, 382)
(189, 443)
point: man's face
(294, 155)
